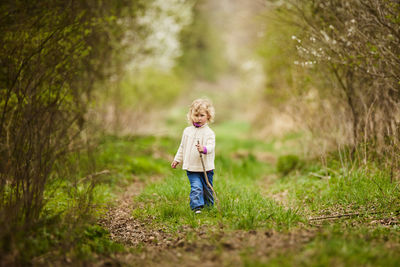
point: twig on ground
(342, 215)
(92, 175)
(320, 176)
(349, 215)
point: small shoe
(197, 211)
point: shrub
(287, 163)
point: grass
(360, 189)
(241, 206)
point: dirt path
(122, 226)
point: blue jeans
(200, 193)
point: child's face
(200, 117)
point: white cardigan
(188, 153)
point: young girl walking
(198, 138)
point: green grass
(320, 190)
(242, 207)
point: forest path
(122, 226)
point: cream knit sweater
(188, 153)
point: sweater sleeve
(210, 143)
(179, 153)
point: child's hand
(174, 164)
(200, 148)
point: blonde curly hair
(199, 105)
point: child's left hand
(200, 148)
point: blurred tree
(202, 55)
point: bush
(54, 54)
(287, 164)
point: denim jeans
(200, 193)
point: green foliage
(63, 237)
(97, 240)
(287, 164)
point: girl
(198, 138)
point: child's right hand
(174, 164)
